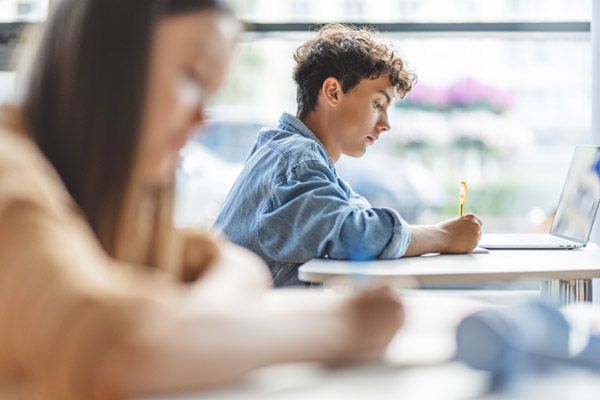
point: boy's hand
(460, 234)
(456, 235)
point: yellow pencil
(463, 198)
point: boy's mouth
(372, 139)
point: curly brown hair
(349, 54)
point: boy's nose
(383, 124)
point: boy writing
(289, 205)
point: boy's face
(361, 116)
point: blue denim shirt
(288, 205)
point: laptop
(575, 213)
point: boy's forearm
(425, 239)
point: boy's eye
(377, 105)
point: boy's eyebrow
(387, 96)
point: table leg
(563, 292)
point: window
(23, 11)
(503, 97)
(422, 11)
(354, 10)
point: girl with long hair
(100, 296)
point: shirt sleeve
(63, 302)
(309, 216)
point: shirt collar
(292, 124)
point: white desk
(565, 274)
(418, 363)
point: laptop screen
(580, 196)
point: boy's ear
(332, 91)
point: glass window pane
(23, 10)
(501, 113)
(413, 10)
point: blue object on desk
(590, 356)
(509, 340)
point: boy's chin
(356, 154)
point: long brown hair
(83, 101)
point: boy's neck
(319, 125)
